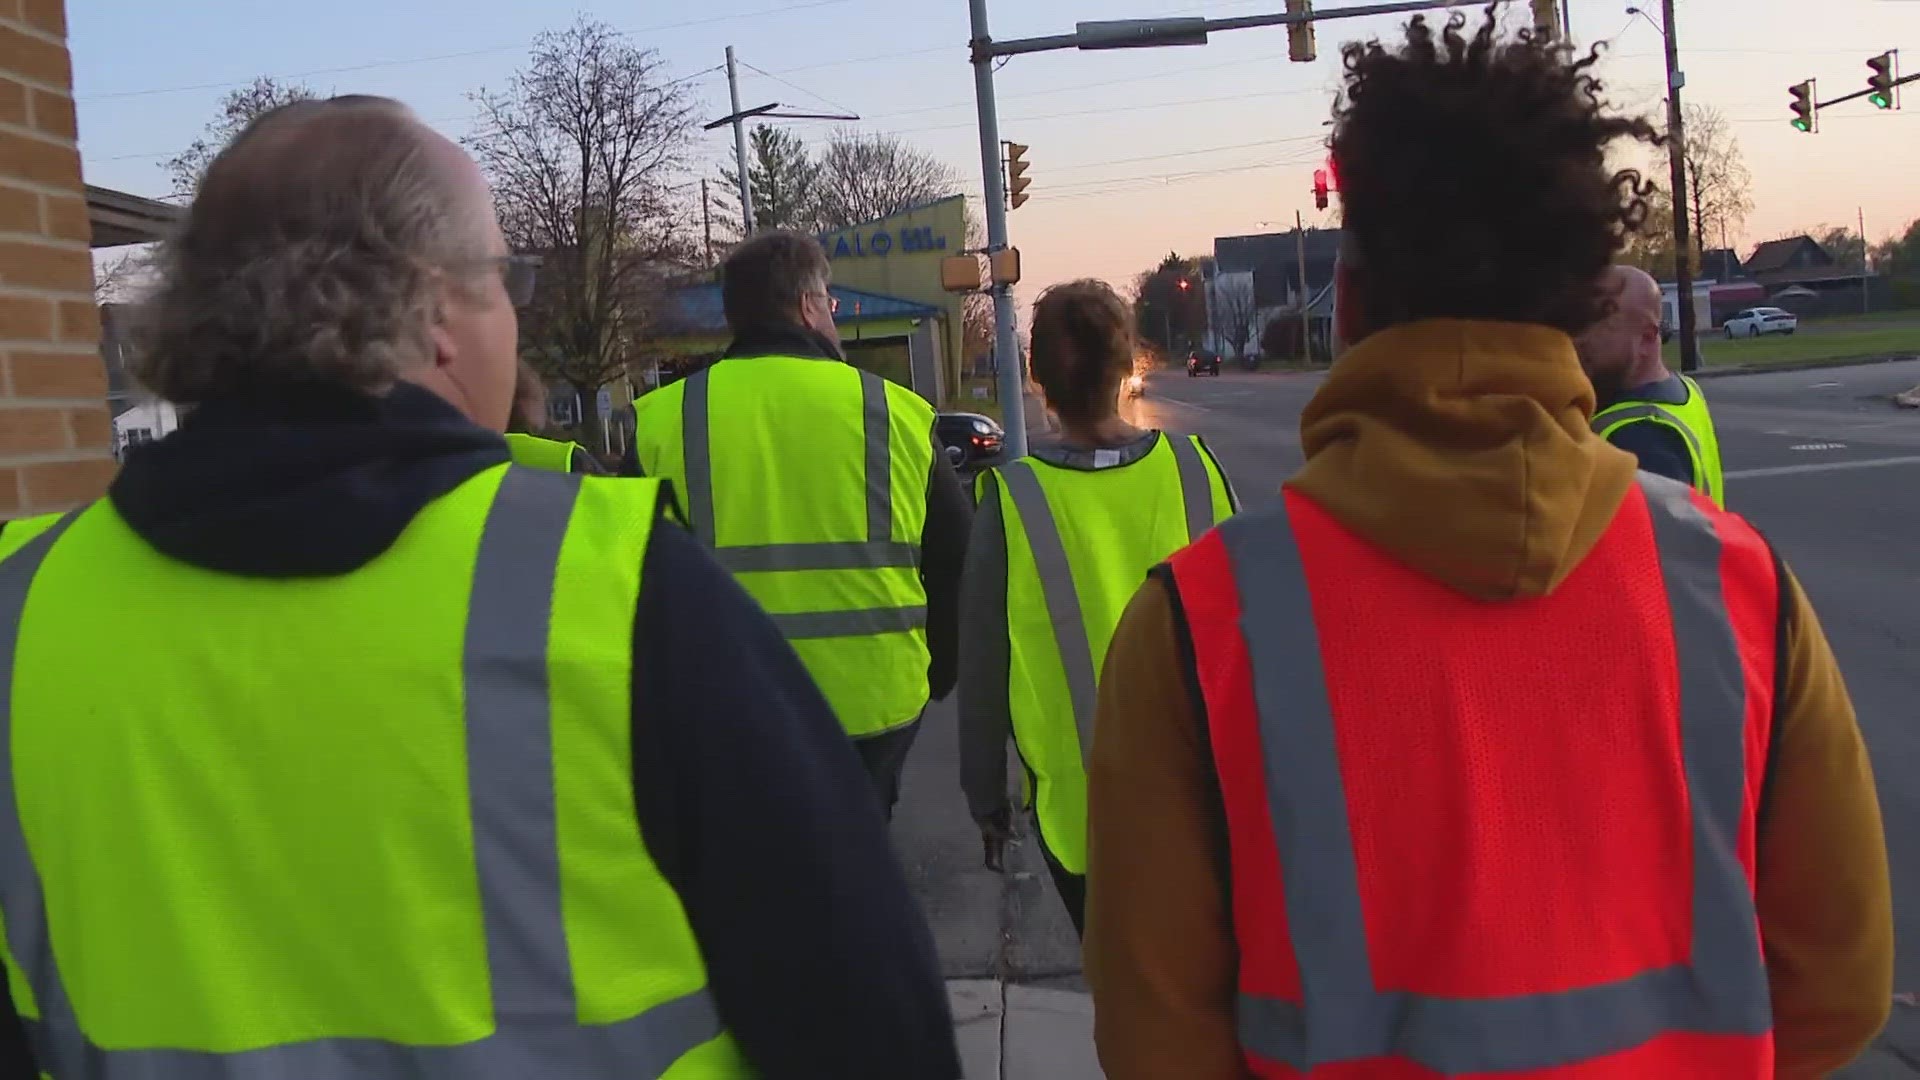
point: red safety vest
(1516, 837)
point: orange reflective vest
(1516, 838)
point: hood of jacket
(317, 481)
(1462, 449)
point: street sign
(604, 401)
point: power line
(407, 61)
(802, 89)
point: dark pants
(885, 756)
(1072, 887)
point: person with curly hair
(1059, 543)
(1478, 751)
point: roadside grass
(1898, 315)
(1835, 345)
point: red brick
(24, 157)
(79, 376)
(79, 322)
(25, 318)
(67, 218)
(10, 504)
(35, 58)
(19, 210)
(13, 101)
(92, 428)
(27, 431)
(28, 265)
(53, 115)
(46, 15)
(57, 485)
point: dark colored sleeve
(1661, 450)
(756, 809)
(630, 459)
(986, 718)
(943, 555)
(585, 463)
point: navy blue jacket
(749, 797)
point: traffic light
(1546, 19)
(1319, 189)
(1016, 175)
(1804, 106)
(1881, 81)
(1300, 48)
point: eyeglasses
(518, 274)
(833, 302)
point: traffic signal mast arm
(1867, 92)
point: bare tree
(237, 110)
(867, 176)
(1234, 309)
(1719, 187)
(586, 149)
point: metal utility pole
(1012, 374)
(1677, 160)
(740, 147)
(706, 219)
(1306, 299)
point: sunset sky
(1134, 153)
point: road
(1819, 460)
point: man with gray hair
(407, 761)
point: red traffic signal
(1319, 189)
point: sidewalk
(1012, 1032)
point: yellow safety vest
(535, 452)
(377, 825)
(809, 479)
(1079, 542)
(1694, 423)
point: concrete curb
(1802, 365)
(1007, 1031)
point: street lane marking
(1819, 446)
(1820, 467)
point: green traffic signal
(1801, 125)
(1882, 79)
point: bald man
(1658, 415)
(412, 762)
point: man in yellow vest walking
(820, 486)
(1643, 408)
(529, 415)
(333, 745)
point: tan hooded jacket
(1461, 448)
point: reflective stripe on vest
(513, 819)
(878, 551)
(1721, 990)
(1056, 573)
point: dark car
(971, 440)
(1202, 362)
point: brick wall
(54, 430)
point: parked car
(1752, 322)
(970, 439)
(1202, 362)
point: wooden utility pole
(1677, 160)
(706, 219)
(1306, 299)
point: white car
(1761, 320)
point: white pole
(740, 148)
